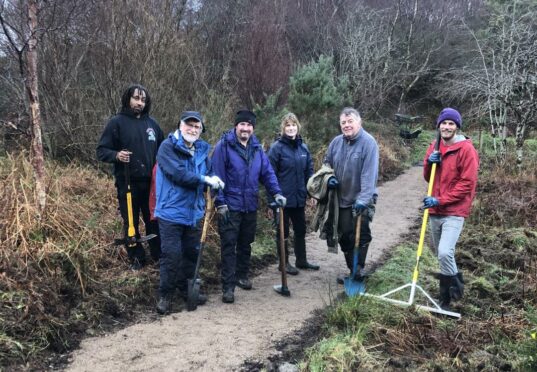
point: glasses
(192, 126)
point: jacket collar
(179, 143)
(291, 142)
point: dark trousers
(297, 217)
(140, 203)
(236, 237)
(180, 249)
(346, 231)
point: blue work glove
(358, 208)
(333, 183)
(430, 202)
(434, 158)
(223, 213)
(280, 200)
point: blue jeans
(445, 232)
(180, 249)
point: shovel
(354, 286)
(195, 283)
(282, 289)
(131, 241)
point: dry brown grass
(59, 273)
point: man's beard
(189, 138)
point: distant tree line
(308, 56)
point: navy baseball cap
(193, 115)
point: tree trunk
(38, 162)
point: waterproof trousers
(346, 231)
(180, 249)
(236, 237)
(296, 217)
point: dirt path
(220, 337)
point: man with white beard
(183, 172)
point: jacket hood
(129, 113)
(231, 138)
(460, 140)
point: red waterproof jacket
(455, 179)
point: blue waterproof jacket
(242, 169)
(292, 163)
(180, 180)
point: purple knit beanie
(449, 114)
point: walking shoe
(244, 283)
(289, 269)
(228, 297)
(164, 305)
(307, 266)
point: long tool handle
(424, 223)
(131, 233)
(357, 232)
(207, 219)
(282, 249)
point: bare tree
(503, 76)
(24, 42)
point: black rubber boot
(445, 296)
(456, 288)
(301, 258)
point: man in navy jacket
(240, 162)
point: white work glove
(215, 182)
(280, 200)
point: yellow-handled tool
(131, 241)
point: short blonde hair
(289, 118)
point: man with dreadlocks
(133, 137)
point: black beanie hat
(245, 116)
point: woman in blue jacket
(292, 163)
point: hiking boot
(289, 269)
(228, 296)
(307, 266)
(164, 305)
(245, 283)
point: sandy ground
(220, 337)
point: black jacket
(293, 165)
(142, 136)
